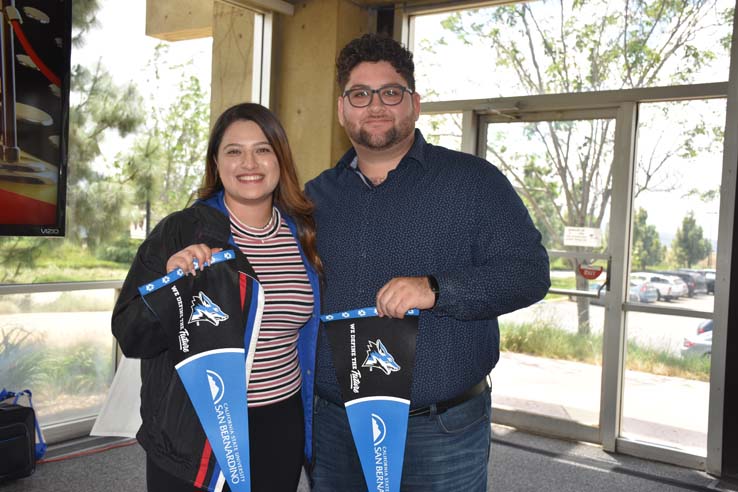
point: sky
(121, 42)
(125, 50)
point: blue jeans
(444, 452)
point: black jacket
(170, 432)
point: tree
(647, 248)
(83, 19)
(103, 106)
(583, 45)
(166, 163)
(689, 245)
(96, 211)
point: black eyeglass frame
(401, 88)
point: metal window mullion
(580, 100)
(481, 136)
(9, 289)
(613, 339)
(469, 123)
(265, 79)
(257, 58)
(404, 27)
(441, 6)
(723, 266)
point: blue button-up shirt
(441, 213)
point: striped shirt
(275, 257)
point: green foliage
(50, 371)
(647, 359)
(19, 254)
(728, 16)
(121, 251)
(105, 195)
(540, 184)
(28, 361)
(689, 245)
(647, 249)
(79, 369)
(69, 262)
(83, 19)
(18, 356)
(78, 302)
(546, 339)
(96, 204)
(166, 163)
(593, 44)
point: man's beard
(384, 140)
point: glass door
(674, 217)
(561, 164)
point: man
(404, 224)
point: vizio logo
(217, 387)
(379, 429)
(49, 231)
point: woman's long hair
(287, 195)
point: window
(550, 47)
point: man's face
(378, 126)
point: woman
(250, 200)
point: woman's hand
(184, 259)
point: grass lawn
(545, 340)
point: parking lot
(653, 330)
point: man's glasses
(390, 95)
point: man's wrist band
(434, 288)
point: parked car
(644, 291)
(697, 345)
(709, 279)
(704, 327)
(700, 281)
(633, 293)
(695, 281)
(668, 286)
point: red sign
(590, 272)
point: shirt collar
(416, 152)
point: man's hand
(403, 293)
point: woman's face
(247, 165)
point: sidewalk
(660, 409)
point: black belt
(442, 406)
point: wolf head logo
(203, 309)
(378, 357)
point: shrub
(121, 251)
(545, 339)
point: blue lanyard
(177, 274)
(360, 313)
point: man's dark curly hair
(375, 48)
